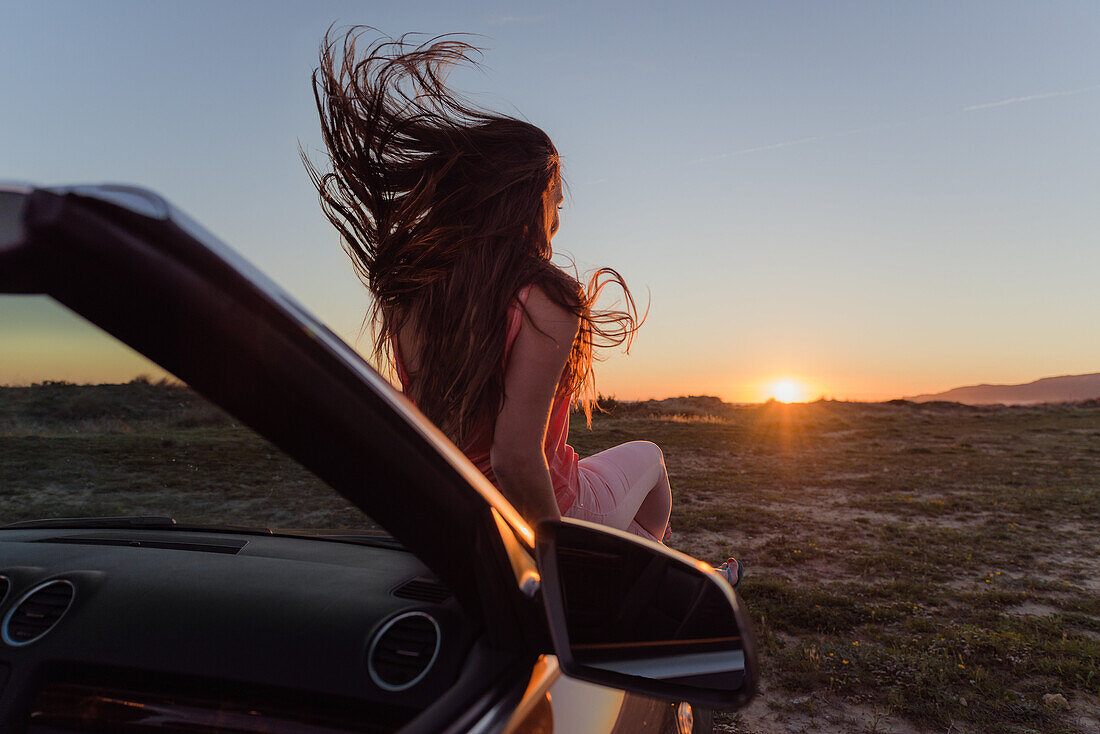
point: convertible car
(451, 615)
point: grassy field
(910, 567)
(150, 449)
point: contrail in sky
(772, 146)
(1029, 98)
(970, 108)
(876, 128)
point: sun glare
(787, 391)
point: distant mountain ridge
(1063, 389)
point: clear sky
(872, 198)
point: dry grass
(910, 567)
(150, 449)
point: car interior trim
(523, 565)
(4, 634)
(378, 681)
(545, 673)
(220, 546)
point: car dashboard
(125, 630)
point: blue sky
(876, 199)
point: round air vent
(403, 651)
(37, 612)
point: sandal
(727, 571)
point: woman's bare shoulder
(555, 320)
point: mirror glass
(632, 609)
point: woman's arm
(535, 365)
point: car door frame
(136, 267)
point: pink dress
(560, 456)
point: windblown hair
(440, 207)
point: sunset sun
(787, 391)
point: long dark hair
(440, 207)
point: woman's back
(531, 316)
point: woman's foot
(732, 571)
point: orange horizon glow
(783, 390)
(41, 340)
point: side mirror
(633, 614)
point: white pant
(625, 487)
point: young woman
(448, 213)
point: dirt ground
(911, 567)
